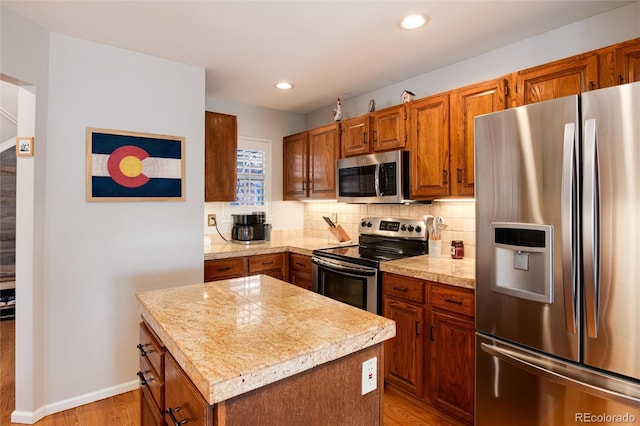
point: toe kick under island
(258, 351)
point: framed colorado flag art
(129, 166)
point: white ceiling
(327, 49)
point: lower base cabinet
(432, 356)
(300, 270)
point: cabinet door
(220, 153)
(219, 269)
(183, 401)
(404, 353)
(570, 76)
(388, 128)
(429, 145)
(354, 136)
(452, 364)
(466, 104)
(324, 150)
(628, 62)
(300, 270)
(150, 415)
(295, 173)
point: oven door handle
(354, 271)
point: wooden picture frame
(131, 166)
(24, 145)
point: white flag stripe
(152, 167)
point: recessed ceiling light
(283, 85)
(413, 22)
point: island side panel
(328, 394)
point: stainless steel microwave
(375, 178)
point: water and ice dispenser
(522, 263)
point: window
(252, 186)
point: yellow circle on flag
(131, 166)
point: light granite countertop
(444, 270)
(233, 336)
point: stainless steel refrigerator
(558, 261)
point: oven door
(355, 285)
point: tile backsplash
(459, 215)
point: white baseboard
(30, 417)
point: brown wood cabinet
(354, 136)
(300, 270)
(151, 376)
(220, 153)
(620, 63)
(388, 128)
(432, 356)
(569, 76)
(309, 161)
(428, 143)
(452, 350)
(184, 403)
(403, 302)
(466, 104)
(268, 264)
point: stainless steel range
(352, 274)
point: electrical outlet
(334, 217)
(369, 375)
(212, 219)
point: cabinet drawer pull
(141, 347)
(459, 173)
(143, 380)
(300, 264)
(431, 332)
(268, 263)
(456, 302)
(224, 268)
(175, 421)
(402, 289)
(417, 328)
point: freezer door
(611, 228)
(519, 387)
(527, 226)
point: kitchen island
(257, 350)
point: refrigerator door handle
(528, 363)
(568, 214)
(591, 228)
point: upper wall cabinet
(570, 76)
(620, 63)
(354, 136)
(378, 131)
(466, 104)
(220, 153)
(309, 161)
(428, 143)
(388, 128)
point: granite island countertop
(234, 336)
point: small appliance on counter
(250, 228)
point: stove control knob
(363, 224)
(410, 228)
(403, 228)
(418, 229)
(369, 224)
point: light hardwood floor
(124, 409)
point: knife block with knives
(337, 231)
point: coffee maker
(250, 228)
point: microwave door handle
(377, 180)
(382, 179)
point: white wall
(262, 123)
(77, 322)
(599, 31)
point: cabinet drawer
(183, 401)
(300, 262)
(152, 381)
(225, 268)
(265, 262)
(453, 299)
(151, 349)
(403, 287)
